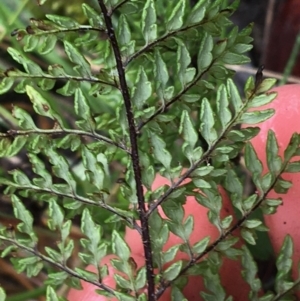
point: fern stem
(93, 135)
(291, 61)
(134, 151)
(177, 97)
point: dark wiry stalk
(134, 152)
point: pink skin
(230, 271)
(284, 123)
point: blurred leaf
(6, 84)
(48, 44)
(174, 210)
(41, 105)
(204, 55)
(123, 31)
(235, 59)
(94, 18)
(161, 74)
(81, 106)
(261, 100)
(248, 236)
(250, 270)
(266, 85)
(94, 170)
(61, 168)
(198, 12)
(200, 246)
(250, 224)
(213, 285)
(93, 243)
(62, 21)
(175, 20)
(235, 187)
(282, 186)
(183, 61)
(56, 216)
(142, 89)
(159, 150)
(250, 202)
(293, 167)
(187, 129)
(292, 147)
(141, 279)
(55, 255)
(122, 282)
(226, 244)
(119, 246)
(226, 222)
(273, 160)
(284, 265)
(25, 216)
(10, 149)
(253, 164)
(149, 26)
(82, 67)
(207, 122)
(30, 67)
(222, 106)
(2, 294)
(172, 271)
(170, 254)
(234, 96)
(177, 294)
(57, 278)
(257, 116)
(86, 274)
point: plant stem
(92, 134)
(134, 151)
(31, 294)
(82, 200)
(292, 60)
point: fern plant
(144, 90)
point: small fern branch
(79, 29)
(175, 98)
(17, 75)
(56, 264)
(161, 39)
(228, 233)
(202, 160)
(93, 135)
(81, 199)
